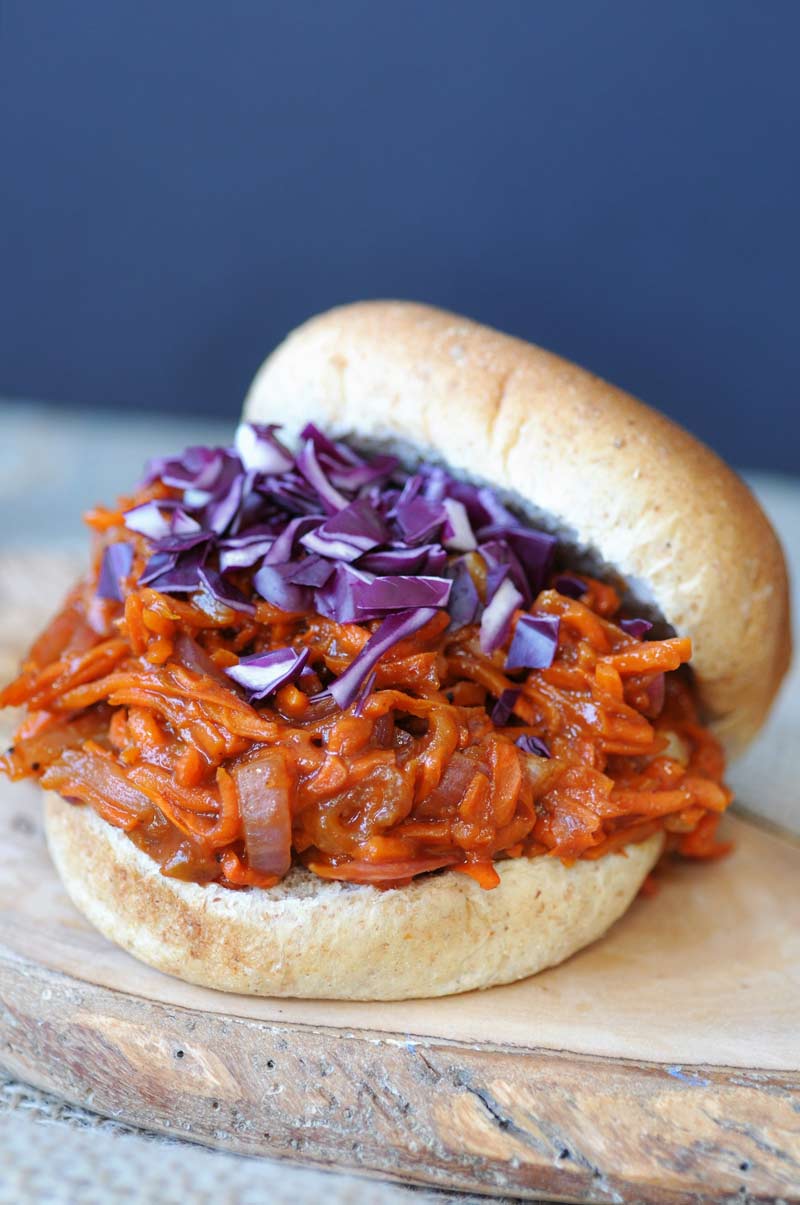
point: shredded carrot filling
(129, 711)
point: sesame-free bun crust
(617, 480)
(313, 938)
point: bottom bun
(318, 938)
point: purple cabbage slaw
(350, 537)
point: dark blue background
(183, 181)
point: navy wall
(182, 181)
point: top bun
(624, 486)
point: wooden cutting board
(661, 1064)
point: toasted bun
(622, 484)
(313, 938)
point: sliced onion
(445, 798)
(382, 872)
(194, 657)
(656, 692)
(264, 790)
(96, 778)
(35, 752)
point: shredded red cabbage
(240, 553)
(285, 543)
(348, 534)
(458, 533)
(393, 629)
(114, 568)
(337, 600)
(636, 627)
(272, 583)
(569, 585)
(465, 602)
(497, 616)
(265, 672)
(159, 564)
(174, 574)
(351, 537)
(419, 519)
(384, 594)
(502, 561)
(425, 558)
(182, 543)
(535, 642)
(149, 520)
(223, 591)
(311, 469)
(312, 571)
(222, 510)
(364, 691)
(260, 451)
(532, 744)
(504, 707)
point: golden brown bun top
(616, 479)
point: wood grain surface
(528, 1123)
(661, 1064)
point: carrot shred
(421, 780)
(483, 873)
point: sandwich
(407, 691)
